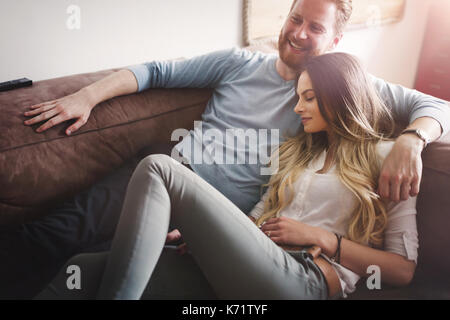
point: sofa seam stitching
(99, 129)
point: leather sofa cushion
(38, 169)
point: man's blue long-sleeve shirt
(249, 94)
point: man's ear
(335, 42)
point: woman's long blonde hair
(358, 120)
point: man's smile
(298, 47)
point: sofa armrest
(433, 213)
(38, 169)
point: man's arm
(401, 173)
(79, 105)
(408, 105)
(204, 71)
(117, 84)
(402, 169)
(198, 72)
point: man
(251, 91)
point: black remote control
(14, 84)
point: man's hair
(344, 11)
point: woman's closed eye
(307, 95)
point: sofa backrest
(38, 169)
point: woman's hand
(174, 236)
(75, 106)
(286, 231)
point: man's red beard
(294, 61)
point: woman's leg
(237, 259)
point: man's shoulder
(245, 55)
(242, 54)
(236, 59)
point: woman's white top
(322, 200)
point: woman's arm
(395, 269)
(258, 209)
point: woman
(324, 189)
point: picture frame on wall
(263, 19)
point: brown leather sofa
(38, 169)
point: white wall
(36, 42)
(391, 51)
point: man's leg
(33, 253)
(176, 277)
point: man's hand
(75, 106)
(79, 105)
(401, 172)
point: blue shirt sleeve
(199, 72)
(408, 105)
